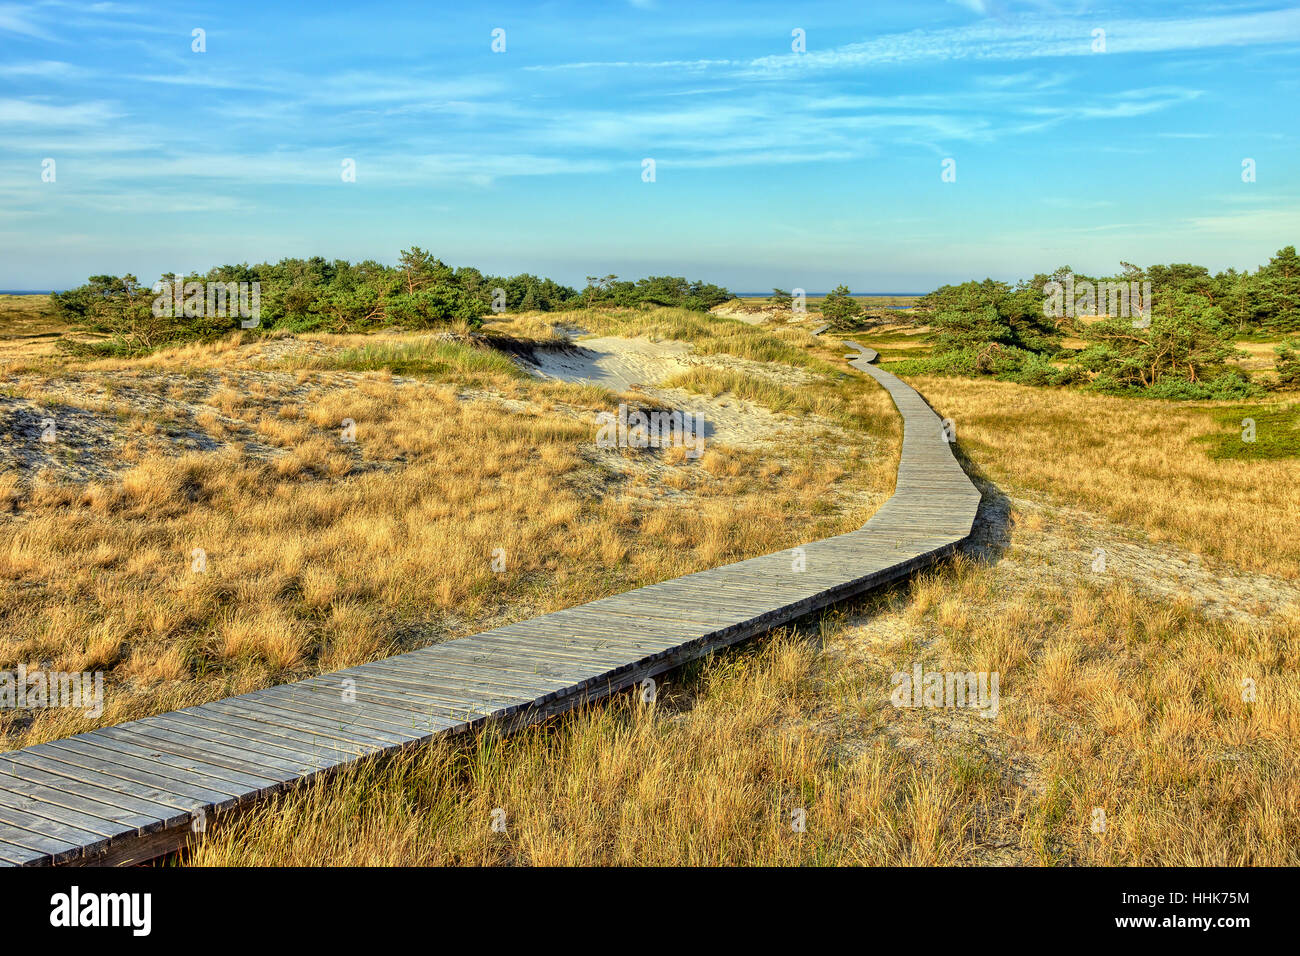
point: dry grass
(320, 553)
(468, 364)
(27, 315)
(826, 402)
(628, 784)
(1141, 463)
(1258, 357)
(1118, 702)
(1108, 701)
(709, 334)
(28, 329)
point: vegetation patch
(428, 357)
(772, 395)
(714, 335)
(1177, 340)
(130, 318)
(1256, 433)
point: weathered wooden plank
(248, 732)
(76, 809)
(129, 769)
(594, 651)
(295, 705)
(405, 705)
(343, 728)
(93, 793)
(47, 836)
(432, 683)
(202, 736)
(182, 758)
(523, 664)
(453, 667)
(11, 854)
(60, 816)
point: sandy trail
(640, 365)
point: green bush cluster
(669, 291)
(304, 295)
(1180, 349)
(1263, 302)
(1288, 365)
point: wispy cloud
(21, 20)
(42, 112)
(1041, 37)
(844, 140)
(1024, 38)
(1253, 224)
(676, 65)
(43, 69)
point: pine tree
(839, 308)
(1279, 291)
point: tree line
(1178, 345)
(316, 294)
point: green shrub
(1288, 365)
(841, 310)
(665, 291)
(1232, 384)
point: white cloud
(17, 19)
(1256, 224)
(1035, 37)
(1024, 38)
(19, 112)
(677, 65)
(45, 69)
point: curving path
(136, 791)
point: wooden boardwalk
(134, 791)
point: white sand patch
(615, 362)
(640, 365)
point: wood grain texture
(130, 793)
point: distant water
(27, 291)
(852, 295)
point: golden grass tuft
(1141, 463)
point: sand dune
(640, 365)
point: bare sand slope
(640, 365)
(617, 363)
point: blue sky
(773, 167)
